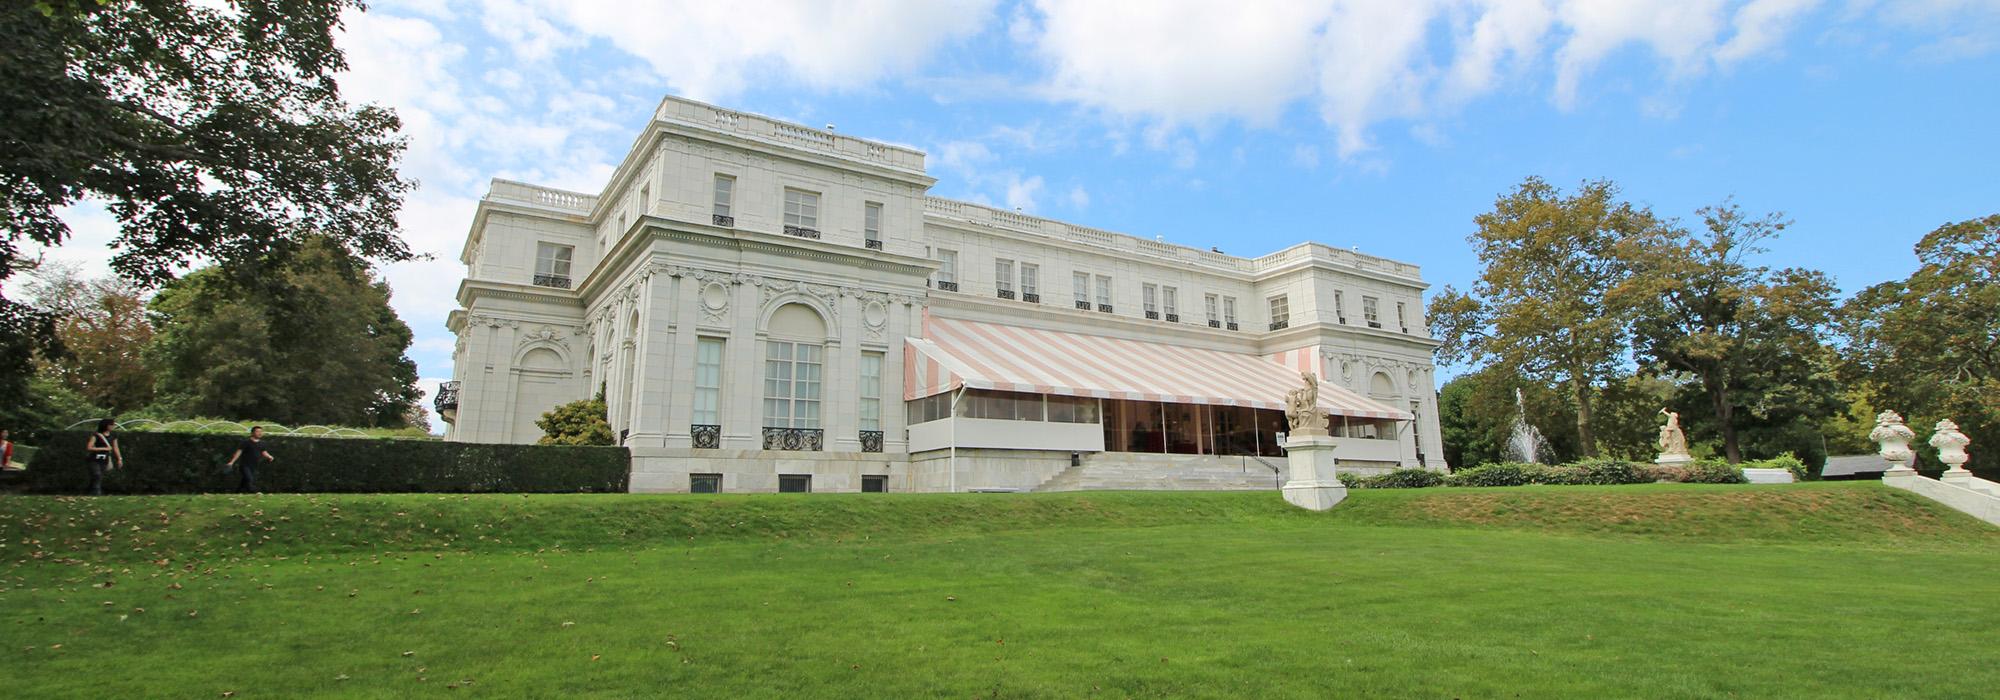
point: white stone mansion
(770, 307)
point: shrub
(1501, 474)
(1787, 461)
(576, 423)
(1398, 479)
(1713, 472)
(194, 463)
(1607, 471)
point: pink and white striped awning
(955, 353)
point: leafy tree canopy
(211, 130)
(102, 323)
(313, 340)
(582, 422)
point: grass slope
(1655, 591)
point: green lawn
(1814, 590)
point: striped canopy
(955, 353)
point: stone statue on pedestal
(1950, 445)
(1895, 440)
(1673, 442)
(1309, 451)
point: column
(743, 399)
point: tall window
(1229, 311)
(1339, 307)
(1103, 293)
(1368, 312)
(725, 198)
(708, 381)
(1213, 305)
(791, 385)
(1170, 303)
(1401, 318)
(871, 225)
(1003, 277)
(1281, 312)
(871, 390)
(552, 264)
(1031, 282)
(1080, 283)
(645, 199)
(801, 210)
(947, 274)
(1149, 299)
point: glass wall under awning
(1145, 426)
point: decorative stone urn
(1950, 445)
(1313, 485)
(1895, 440)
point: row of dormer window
(801, 215)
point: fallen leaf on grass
(594, 657)
(409, 653)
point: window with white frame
(1031, 282)
(791, 384)
(1229, 311)
(947, 274)
(1339, 307)
(801, 209)
(1080, 283)
(871, 390)
(1170, 303)
(1003, 277)
(1103, 293)
(552, 264)
(871, 224)
(1149, 299)
(1281, 311)
(708, 381)
(1368, 312)
(1213, 305)
(725, 199)
(1402, 318)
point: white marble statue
(1672, 440)
(1895, 439)
(1950, 445)
(1302, 408)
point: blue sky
(1384, 125)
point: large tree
(1752, 341)
(102, 324)
(212, 131)
(1546, 302)
(1929, 346)
(311, 340)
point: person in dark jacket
(101, 454)
(248, 455)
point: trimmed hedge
(1398, 479)
(195, 463)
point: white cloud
(712, 50)
(1760, 25)
(1079, 198)
(1021, 193)
(1306, 156)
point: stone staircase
(1134, 472)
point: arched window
(794, 358)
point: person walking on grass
(6, 451)
(101, 454)
(250, 454)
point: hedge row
(196, 463)
(1591, 472)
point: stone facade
(748, 238)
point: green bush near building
(1590, 472)
(164, 463)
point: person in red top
(6, 450)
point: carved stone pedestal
(1667, 460)
(1313, 485)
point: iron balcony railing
(871, 441)
(944, 286)
(1084, 305)
(1231, 325)
(872, 244)
(557, 281)
(723, 220)
(1106, 308)
(1212, 323)
(1281, 324)
(801, 231)
(707, 437)
(447, 398)
(1152, 315)
(1031, 297)
(808, 439)
(1173, 318)
(1005, 293)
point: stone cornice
(473, 289)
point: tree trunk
(1725, 416)
(1585, 439)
